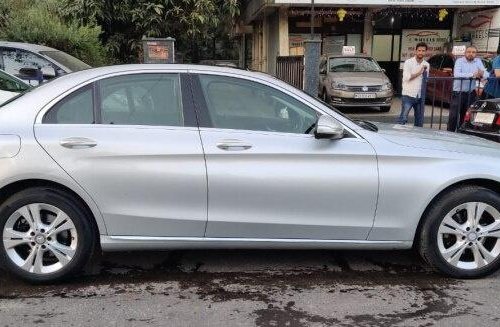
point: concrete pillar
(264, 44)
(284, 47)
(312, 53)
(368, 32)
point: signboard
(435, 40)
(441, 3)
(459, 50)
(158, 50)
(348, 50)
(482, 28)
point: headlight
(387, 87)
(338, 86)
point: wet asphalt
(254, 288)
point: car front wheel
(47, 235)
(461, 233)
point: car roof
(26, 46)
(350, 56)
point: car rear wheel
(46, 235)
(461, 233)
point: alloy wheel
(469, 235)
(40, 238)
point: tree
(39, 22)
(194, 23)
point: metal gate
(290, 69)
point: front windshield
(66, 60)
(353, 64)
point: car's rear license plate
(364, 95)
(484, 118)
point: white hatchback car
(177, 156)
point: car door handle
(233, 145)
(78, 143)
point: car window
(66, 60)
(142, 99)
(353, 64)
(8, 83)
(441, 61)
(76, 108)
(19, 62)
(240, 104)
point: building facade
(384, 29)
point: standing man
(463, 90)
(413, 69)
(492, 88)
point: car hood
(425, 138)
(359, 78)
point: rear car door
(132, 143)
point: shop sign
(435, 40)
(459, 50)
(348, 50)
(482, 28)
(442, 3)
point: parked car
(24, 60)
(483, 119)
(10, 86)
(214, 157)
(354, 81)
(442, 65)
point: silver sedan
(171, 156)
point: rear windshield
(66, 60)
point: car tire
(461, 241)
(55, 233)
(385, 109)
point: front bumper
(347, 99)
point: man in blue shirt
(492, 88)
(469, 69)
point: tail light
(497, 121)
(468, 115)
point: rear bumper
(485, 135)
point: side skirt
(129, 243)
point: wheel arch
(483, 182)
(95, 217)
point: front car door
(132, 143)
(268, 177)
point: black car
(483, 119)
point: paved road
(254, 288)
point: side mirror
(322, 71)
(384, 71)
(328, 128)
(48, 72)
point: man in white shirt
(413, 70)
